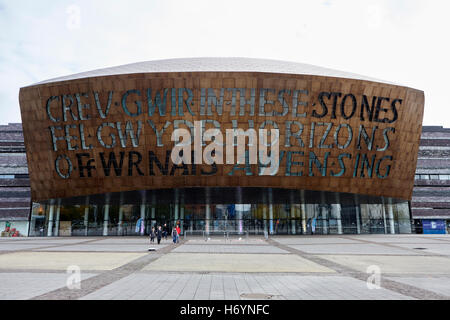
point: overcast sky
(403, 41)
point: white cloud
(400, 41)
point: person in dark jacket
(159, 234)
(165, 231)
(152, 234)
(174, 235)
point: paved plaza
(281, 267)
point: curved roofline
(215, 64)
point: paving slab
(220, 248)
(398, 238)
(303, 240)
(440, 285)
(231, 241)
(442, 237)
(436, 248)
(21, 286)
(62, 260)
(133, 240)
(106, 248)
(321, 267)
(163, 286)
(21, 246)
(350, 248)
(48, 241)
(394, 264)
(201, 262)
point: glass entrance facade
(200, 219)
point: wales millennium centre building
(100, 150)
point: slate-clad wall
(431, 193)
(14, 182)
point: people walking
(159, 234)
(138, 225)
(174, 235)
(313, 226)
(178, 232)
(165, 231)
(152, 235)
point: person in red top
(178, 233)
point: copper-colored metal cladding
(401, 107)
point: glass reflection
(240, 219)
